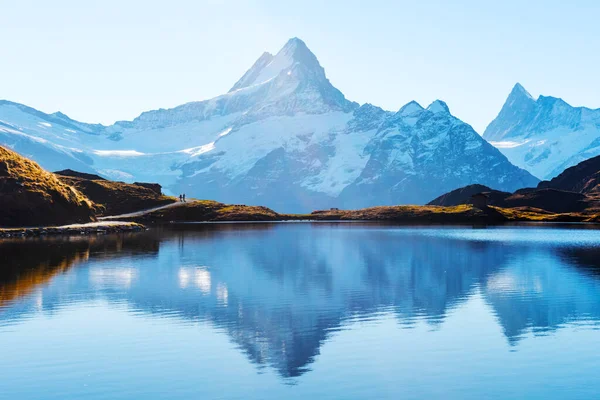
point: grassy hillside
(212, 211)
(208, 210)
(114, 198)
(31, 196)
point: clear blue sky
(102, 61)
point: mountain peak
(268, 67)
(438, 106)
(410, 108)
(294, 43)
(519, 92)
(59, 114)
(518, 110)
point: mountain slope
(546, 135)
(581, 178)
(420, 153)
(574, 190)
(463, 196)
(283, 137)
(45, 138)
(30, 196)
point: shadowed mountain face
(573, 190)
(464, 196)
(281, 291)
(581, 178)
(283, 137)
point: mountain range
(544, 135)
(283, 137)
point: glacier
(283, 136)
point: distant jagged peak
(410, 108)
(294, 52)
(60, 115)
(523, 116)
(519, 95)
(519, 92)
(438, 106)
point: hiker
(184, 197)
(180, 198)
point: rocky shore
(94, 228)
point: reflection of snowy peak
(283, 136)
(287, 288)
(546, 135)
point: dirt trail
(143, 212)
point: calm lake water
(296, 311)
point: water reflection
(280, 291)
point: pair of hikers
(182, 198)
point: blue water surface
(297, 311)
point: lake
(301, 310)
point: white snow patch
(254, 141)
(508, 144)
(199, 171)
(118, 153)
(174, 138)
(116, 174)
(196, 151)
(45, 124)
(225, 132)
(343, 167)
(559, 148)
(280, 63)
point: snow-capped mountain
(544, 136)
(283, 136)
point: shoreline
(112, 227)
(92, 228)
(391, 223)
(198, 212)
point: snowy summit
(545, 135)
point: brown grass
(205, 210)
(208, 210)
(114, 198)
(409, 213)
(29, 195)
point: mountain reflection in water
(280, 290)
